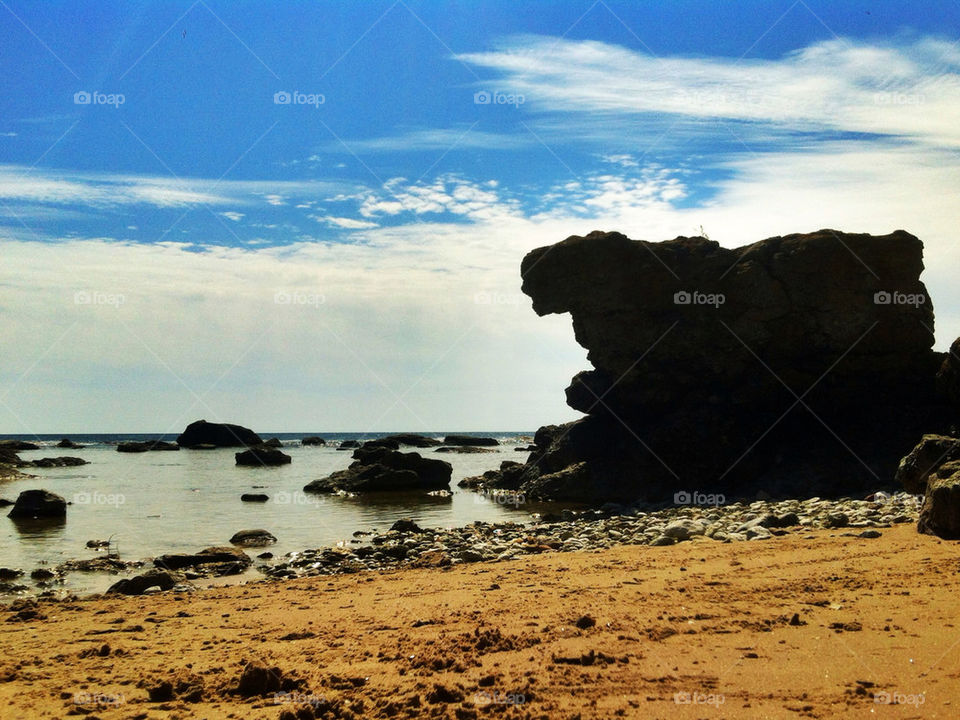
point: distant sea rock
(383, 470)
(469, 440)
(69, 444)
(413, 440)
(38, 504)
(313, 440)
(18, 445)
(53, 462)
(348, 445)
(463, 449)
(134, 446)
(262, 455)
(799, 365)
(202, 432)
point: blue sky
(180, 242)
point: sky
(311, 216)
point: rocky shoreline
(406, 545)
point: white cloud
(8, 134)
(235, 216)
(911, 90)
(343, 222)
(442, 139)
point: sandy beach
(821, 625)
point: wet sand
(814, 625)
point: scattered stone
(407, 526)
(253, 538)
(584, 622)
(254, 497)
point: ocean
(148, 504)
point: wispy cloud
(909, 89)
(441, 139)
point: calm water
(159, 502)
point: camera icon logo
(282, 98)
(81, 98)
(82, 498)
(481, 98)
(882, 298)
(282, 498)
(282, 297)
(682, 498)
(681, 298)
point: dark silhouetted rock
(38, 504)
(381, 443)
(273, 442)
(219, 555)
(18, 445)
(8, 574)
(253, 538)
(948, 378)
(469, 440)
(262, 455)
(378, 469)
(254, 497)
(463, 449)
(136, 446)
(202, 432)
(940, 512)
(798, 365)
(930, 453)
(313, 440)
(163, 579)
(413, 440)
(69, 444)
(348, 445)
(56, 462)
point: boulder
(38, 504)
(940, 512)
(381, 443)
(406, 526)
(253, 538)
(348, 445)
(948, 377)
(414, 440)
(69, 444)
(8, 574)
(163, 579)
(313, 440)
(273, 442)
(254, 497)
(735, 370)
(219, 555)
(202, 432)
(262, 455)
(929, 454)
(382, 469)
(463, 449)
(469, 440)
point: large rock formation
(796, 365)
(202, 432)
(38, 504)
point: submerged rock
(413, 440)
(469, 440)
(219, 555)
(69, 444)
(134, 446)
(253, 538)
(162, 579)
